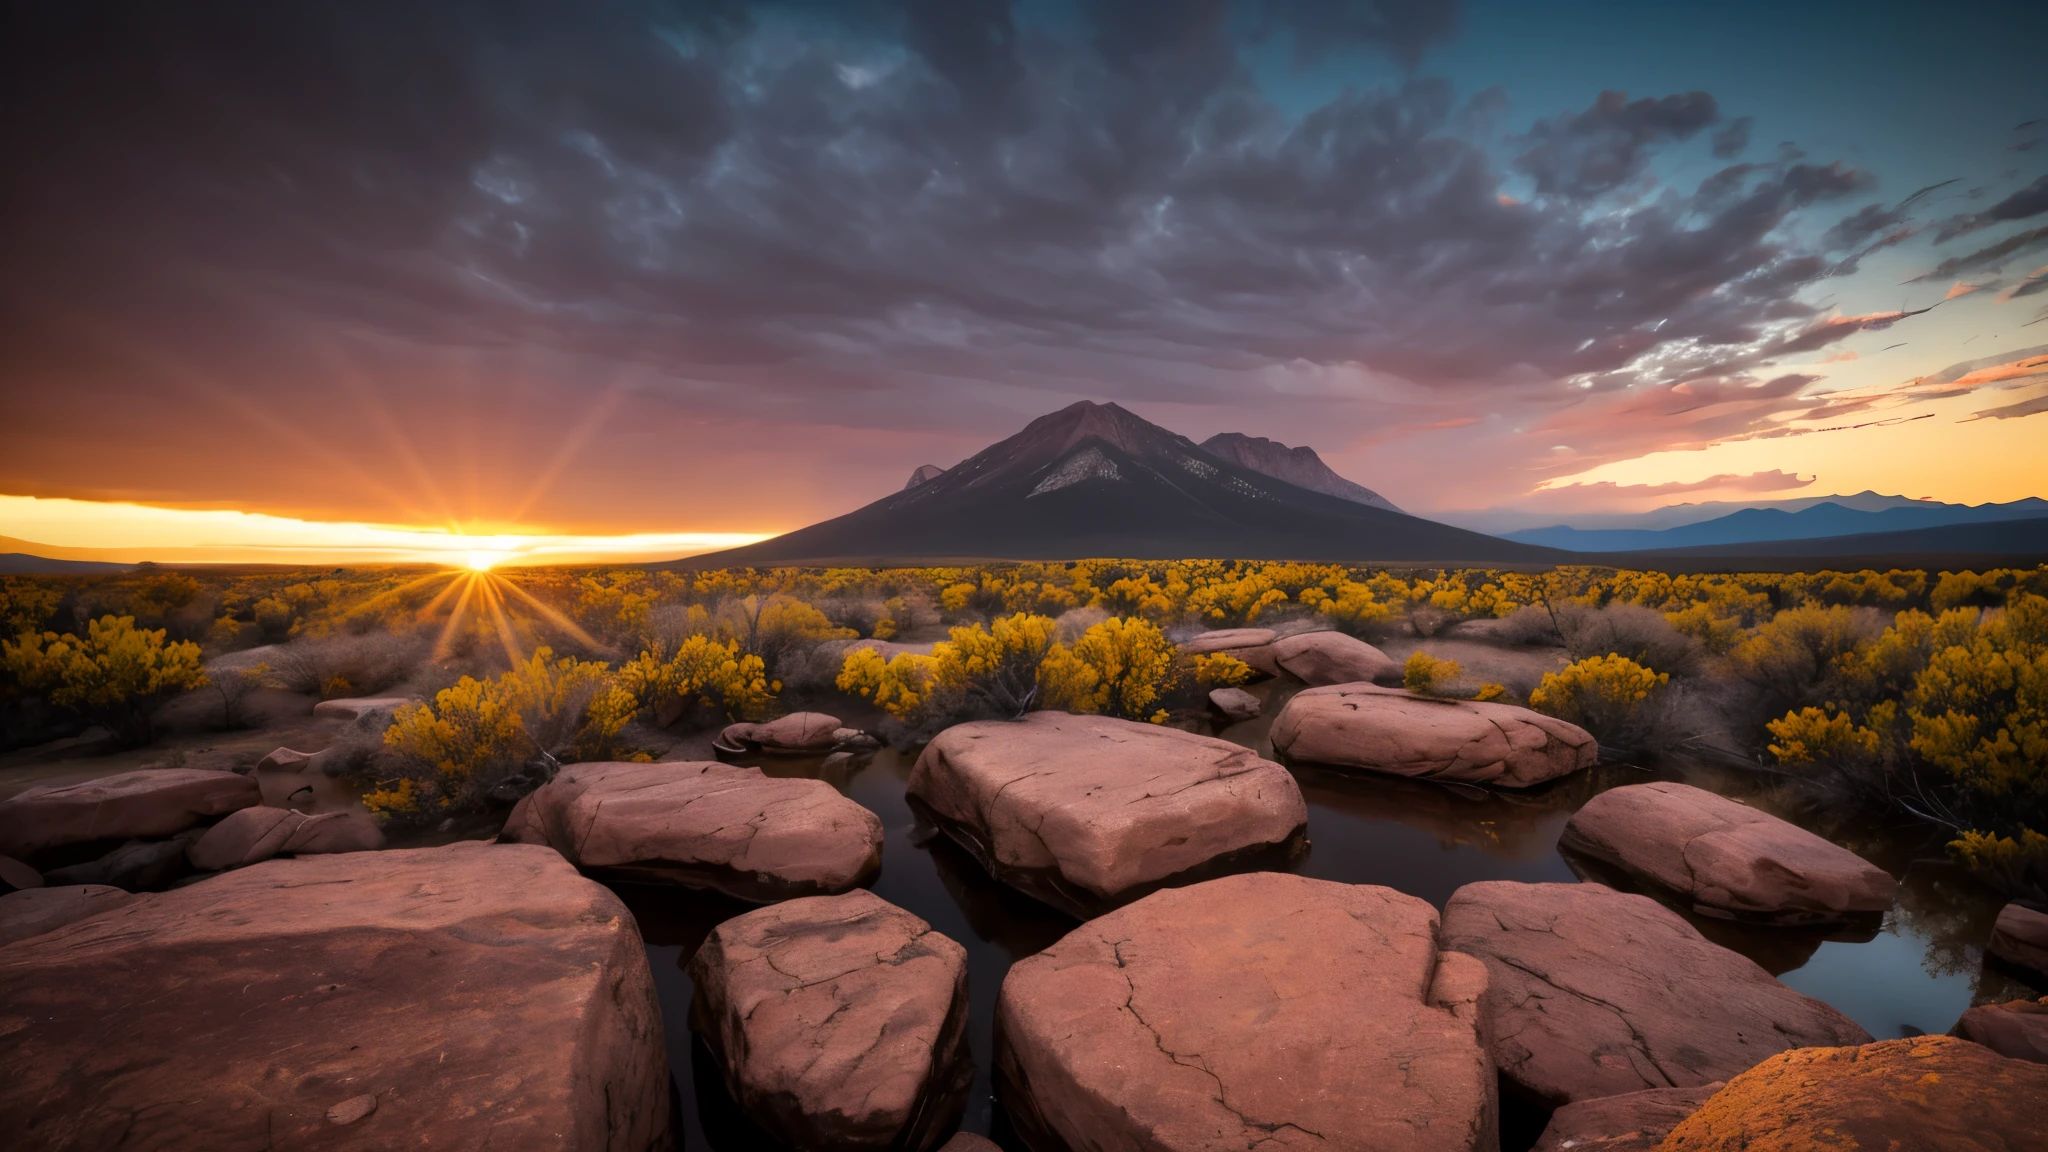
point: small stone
(1235, 704)
(352, 1109)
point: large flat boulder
(1630, 1122)
(1595, 993)
(796, 733)
(2017, 1028)
(1389, 730)
(838, 1022)
(1252, 1009)
(1227, 640)
(1727, 859)
(1322, 658)
(1923, 1094)
(2020, 938)
(708, 825)
(1085, 812)
(146, 804)
(472, 996)
(34, 911)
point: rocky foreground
(255, 977)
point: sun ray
(552, 616)
(497, 610)
(455, 617)
(433, 607)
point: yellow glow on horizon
(127, 533)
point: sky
(704, 271)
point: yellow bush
(1120, 667)
(1425, 674)
(700, 670)
(1606, 695)
(25, 604)
(998, 665)
(1219, 670)
(2010, 865)
(897, 686)
(1717, 634)
(1980, 710)
(1490, 692)
(115, 673)
(1811, 736)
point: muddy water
(1915, 973)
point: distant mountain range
(1949, 545)
(1823, 520)
(1096, 480)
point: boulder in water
(1630, 1122)
(2020, 938)
(1322, 658)
(1397, 732)
(2016, 1028)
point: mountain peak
(1300, 467)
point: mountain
(1300, 467)
(23, 564)
(1753, 525)
(924, 473)
(1508, 521)
(1095, 480)
(1963, 545)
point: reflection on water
(1914, 973)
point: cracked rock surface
(1727, 859)
(838, 1021)
(1924, 1093)
(147, 804)
(1593, 992)
(707, 825)
(1631, 1122)
(1323, 658)
(1397, 732)
(34, 911)
(1085, 811)
(486, 996)
(1259, 1011)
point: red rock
(1596, 992)
(34, 911)
(1396, 732)
(1248, 1012)
(523, 826)
(249, 836)
(709, 825)
(1235, 704)
(286, 760)
(2020, 937)
(1320, 658)
(1727, 859)
(1228, 639)
(358, 707)
(1924, 1094)
(1085, 812)
(969, 1142)
(838, 1021)
(330, 832)
(796, 732)
(16, 875)
(147, 804)
(2017, 1029)
(1630, 1122)
(485, 995)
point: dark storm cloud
(845, 212)
(2029, 201)
(1404, 29)
(1730, 141)
(1593, 152)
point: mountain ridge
(1823, 520)
(1301, 467)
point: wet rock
(1235, 704)
(137, 866)
(1927, 1092)
(798, 732)
(1321, 658)
(838, 1021)
(14, 875)
(286, 760)
(34, 911)
(710, 825)
(485, 995)
(1630, 1122)
(146, 804)
(357, 708)
(1727, 859)
(1389, 730)
(2020, 938)
(2017, 1028)
(1595, 993)
(1248, 1010)
(1085, 812)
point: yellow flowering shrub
(1425, 674)
(115, 673)
(1812, 736)
(1120, 667)
(1606, 695)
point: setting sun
(483, 561)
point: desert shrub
(1966, 590)
(781, 625)
(346, 665)
(1120, 667)
(1612, 697)
(1529, 624)
(698, 671)
(1793, 660)
(461, 751)
(1219, 670)
(234, 687)
(1979, 711)
(1714, 633)
(115, 674)
(1075, 622)
(2014, 865)
(1641, 635)
(26, 604)
(1350, 607)
(897, 686)
(1426, 675)
(1490, 692)
(1428, 620)
(1824, 739)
